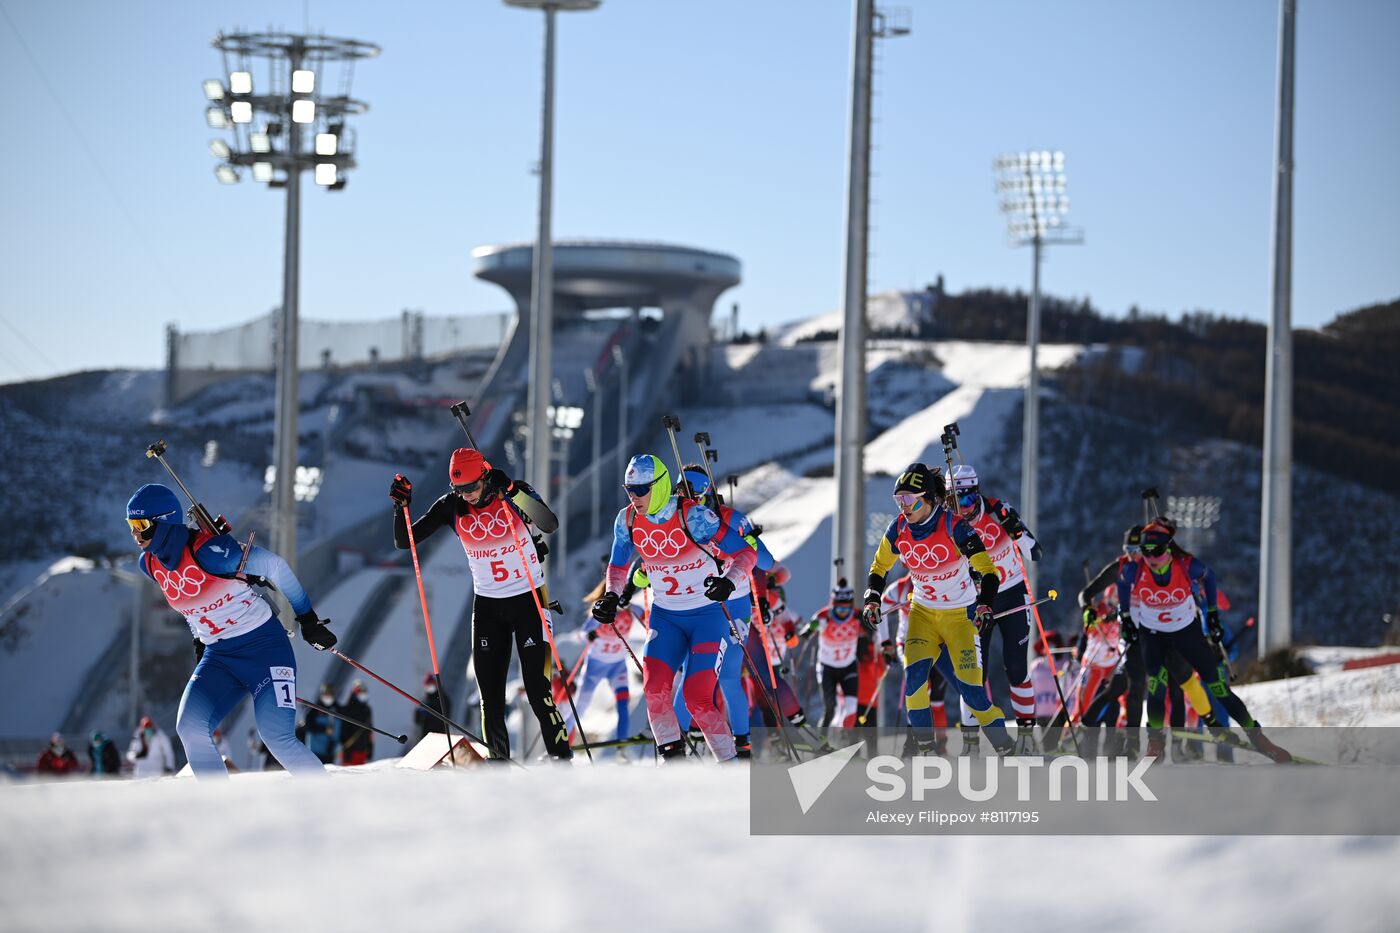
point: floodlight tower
(848, 522)
(294, 123)
(542, 278)
(1032, 189)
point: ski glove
(315, 632)
(888, 649)
(982, 616)
(401, 491)
(592, 635)
(497, 483)
(1217, 631)
(870, 617)
(1129, 627)
(718, 588)
(605, 609)
(1090, 617)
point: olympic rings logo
(919, 556)
(176, 584)
(990, 530)
(659, 543)
(1163, 597)
(484, 526)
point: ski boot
(1112, 743)
(1088, 743)
(971, 741)
(798, 719)
(1156, 744)
(672, 751)
(1261, 743)
(742, 749)
(1186, 751)
(1025, 738)
(940, 742)
(1132, 745)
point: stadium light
(277, 156)
(1032, 187)
(542, 278)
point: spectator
(320, 728)
(58, 758)
(103, 755)
(150, 752)
(426, 721)
(357, 744)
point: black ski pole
(401, 739)
(419, 703)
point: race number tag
(284, 686)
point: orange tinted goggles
(139, 524)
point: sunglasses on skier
(1155, 549)
(140, 525)
(466, 489)
(907, 499)
(967, 498)
(637, 491)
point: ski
(638, 739)
(1226, 737)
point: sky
(719, 124)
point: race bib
(284, 686)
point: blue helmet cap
(156, 502)
(648, 470)
(699, 482)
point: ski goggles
(141, 525)
(968, 498)
(907, 500)
(637, 491)
(1155, 548)
(465, 489)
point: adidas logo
(529, 643)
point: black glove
(497, 483)
(605, 609)
(198, 650)
(1035, 551)
(1217, 631)
(1129, 628)
(541, 548)
(870, 617)
(314, 631)
(764, 613)
(401, 491)
(718, 588)
(1011, 522)
(982, 617)
(887, 648)
(592, 635)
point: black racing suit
(496, 622)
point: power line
(30, 344)
(102, 175)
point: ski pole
(401, 739)
(419, 703)
(201, 514)
(423, 601)
(875, 702)
(702, 440)
(1151, 508)
(1044, 642)
(544, 621)
(1049, 597)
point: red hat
(147, 722)
(468, 466)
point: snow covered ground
(617, 847)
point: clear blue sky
(713, 123)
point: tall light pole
(620, 359)
(595, 414)
(848, 523)
(542, 278)
(1276, 521)
(1032, 188)
(270, 127)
